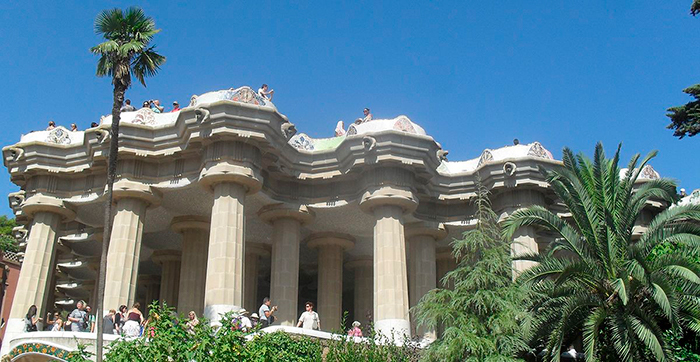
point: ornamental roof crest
(59, 135)
(537, 150)
(145, 116)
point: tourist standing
(78, 318)
(156, 107)
(309, 319)
(57, 323)
(91, 319)
(120, 319)
(108, 322)
(266, 312)
(267, 94)
(134, 318)
(73, 127)
(192, 323)
(51, 126)
(176, 107)
(254, 319)
(340, 129)
(355, 331)
(366, 118)
(30, 320)
(127, 107)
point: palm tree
(596, 280)
(125, 52)
(481, 315)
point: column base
(214, 312)
(396, 330)
(13, 328)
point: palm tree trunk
(119, 90)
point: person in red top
(176, 107)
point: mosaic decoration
(486, 156)
(649, 173)
(302, 142)
(58, 135)
(351, 130)
(145, 116)
(403, 124)
(41, 348)
(537, 150)
(244, 95)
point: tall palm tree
(596, 280)
(126, 51)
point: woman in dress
(57, 323)
(30, 320)
(355, 331)
(134, 318)
(192, 323)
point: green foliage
(81, 354)
(683, 350)
(695, 7)
(282, 347)
(375, 348)
(597, 282)
(481, 316)
(685, 119)
(7, 240)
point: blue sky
(475, 74)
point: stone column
(330, 276)
(364, 289)
(253, 253)
(422, 274)
(124, 251)
(149, 283)
(389, 204)
(46, 214)
(524, 240)
(193, 267)
(169, 261)
(230, 184)
(445, 263)
(286, 234)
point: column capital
(400, 196)
(244, 175)
(272, 212)
(148, 279)
(164, 256)
(259, 249)
(363, 262)
(185, 222)
(436, 230)
(124, 189)
(43, 203)
(316, 240)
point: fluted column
(124, 251)
(169, 261)
(389, 205)
(46, 214)
(364, 292)
(422, 273)
(286, 234)
(193, 266)
(330, 276)
(230, 181)
(445, 263)
(151, 285)
(253, 253)
(525, 239)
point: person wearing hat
(355, 331)
(682, 193)
(254, 319)
(176, 107)
(246, 325)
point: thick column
(364, 289)
(253, 253)
(388, 205)
(193, 266)
(169, 261)
(231, 173)
(124, 251)
(286, 234)
(46, 214)
(422, 273)
(330, 276)
(445, 263)
(150, 284)
(524, 240)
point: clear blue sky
(474, 76)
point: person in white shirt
(309, 319)
(265, 93)
(246, 325)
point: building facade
(223, 203)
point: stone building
(223, 203)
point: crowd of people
(131, 322)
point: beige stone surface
(364, 288)
(169, 261)
(330, 277)
(226, 254)
(422, 275)
(253, 253)
(193, 272)
(124, 252)
(284, 281)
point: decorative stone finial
(442, 155)
(102, 135)
(509, 168)
(369, 142)
(202, 114)
(288, 130)
(16, 152)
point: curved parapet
(50, 346)
(647, 173)
(57, 136)
(243, 94)
(514, 152)
(400, 123)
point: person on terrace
(146, 104)
(156, 107)
(78, 318)
(30, 320)
(340, 129)
(309, 319)
(73, 127)
(51, 126)
(192, 322)
(366, 118)
(127, 107)
(176, 106)
(265, 93)
(355, 331)
(132, 327)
